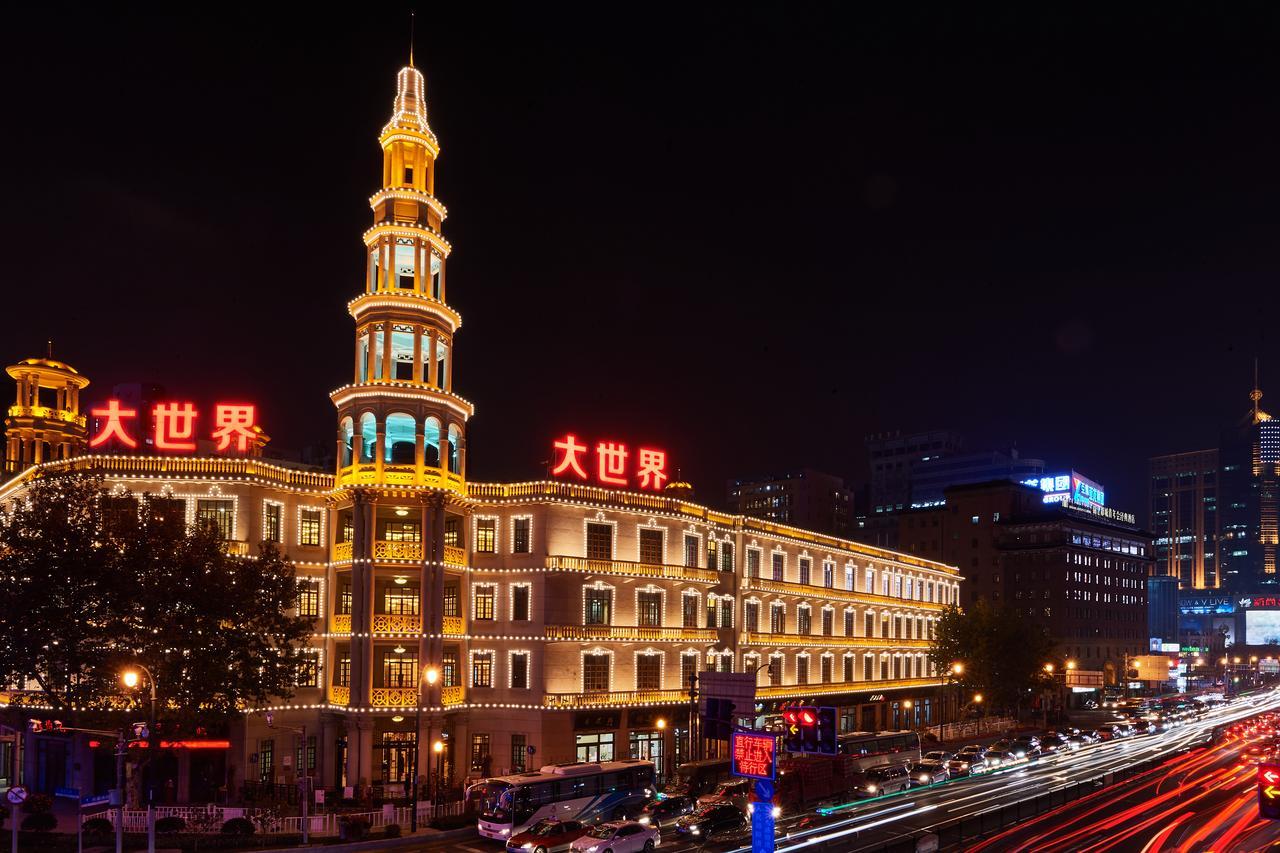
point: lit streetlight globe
(130, 678)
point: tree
(93, 581)
(1003, 652)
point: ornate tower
(401, 465)
(44, 423)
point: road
(1209, 783)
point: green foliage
(391, 830)
(238, 826)
(40, 822)
(172, 823)
(90, 581)
(456, 821)
(99, 826)
(37, 804)
(1002, 651)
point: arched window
(442, 362)
(368, 436)
(399, 441)
(431, 442)
(454, 436)
(346, 431)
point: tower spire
(412, 15)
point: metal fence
(210, 818)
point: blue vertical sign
(762, 818)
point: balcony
(615, 698)
(393, 697)
(453, 695)
(455, 555)
(830, 594)
(341, 623)
(342, 550)
(339, 695)
(236, 549)
(384, 550)
(366, 474)
(397, 623)
(755, 638)
(454, 626)
(631, 632)
(634, 570)
(794, 691)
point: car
(1256, 753)
(931, 769)
(736, 791)
(617, 836)
(1002, 745)
(886, 779)
(547, 836)
(711, 819)
(1027, 746)
(666, 812)
(995, 759)
(1076, 741)
(1094, 735)
(966, 762)
(1052, 743)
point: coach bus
(583, 791)
(872, 749)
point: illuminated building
(931, 478)
(45, 422)
(563, 618)
(1185, 518)
(807, 498)
(893, 458)
(1078, 569)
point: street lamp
(953, 672)
(131, 678)
(430, 676)
(438, 749)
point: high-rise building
(1184, 517)
(930, 478)
(1250, 498)
(893, 457)
(806, 498)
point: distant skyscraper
(892, 458)
(929, 479)
(1250, 498)
(1185, 517)
(806, 498)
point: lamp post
(954, 672)
(438, 749)
(131, 678)
(430, 676)
(661, 724)
(1048, 669)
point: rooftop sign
(173, 427)
(610, 463)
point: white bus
(582, 791)
(872, 749)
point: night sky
(750, 235)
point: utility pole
(119, 792)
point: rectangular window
(487, 535)
(342, 673)
(753, 615)
(480, 759)
(520, 535)
(775, 670)
(399, 670)
(520, 671)
(848, 667)
(690, 550)
(519, 753)
(829, 575)
(219, 513)
(802, 669)
(649, 609)
(804, 570)
(401, 531)
(599, 541)
(597, 606)
(449, 668)
(689, 611)
(753, 563)
(344, 596)
(651, 547)
(848, 623)
(271, 527)
(453, 531)
(520, 602)
(595, 673)
(688, 668)
(803, 621)
(309, 599)
(828, 622)
(726, 557)
(712, 559)
(827, 664)
(309, 527)
(482, 669)
(778, 619)
(451, 599)
(266, 760)
(486, 596)
(779, 567)
(648, 672)
(400, 599)
(309, 668)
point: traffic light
(46, 725)
(1269, 791)
(809, 728)
(792, 739)
(827, 731)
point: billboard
(1262, 627)
(1069, 487)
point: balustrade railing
(631, 632)
(617, 697)
(630, 569)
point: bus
(870, 749)
(583, 791)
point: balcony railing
(236, 549)
(455, 555)
(827, 593)
(397, 623)
(341, 623)
(631, 632)
(454, 626)
(393, 697)
(385, 550)
(366, 474)
(635, 570)
(788, 691)
(342, 550)
(756, 638)
(455, 694)
(46, 413)
(339, 695)
(617, 697)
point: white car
(619, 836)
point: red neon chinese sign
(754, 754)
(173, 426)
(609, 461)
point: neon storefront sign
(174, 427)
(609, 463)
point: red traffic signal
(790, 716)
(807, 717)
